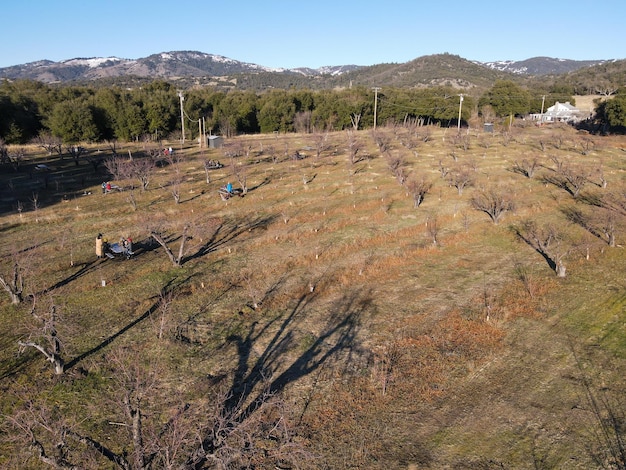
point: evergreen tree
(507, 99)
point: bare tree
(36, 427)
(601, 177)
(142, 169)
(605, 88)
(320, 142)
(418, 187)
(76, 151)
(575, 179)
(13, 283)
(50, 143)
(255, 287)
(43, 335)
(548, 241)
(381, 139)
(353, 146)
(118, 167)
(587, 144)
(493, 202)
(444, 170)
(165, 242)
(570, 178)
(34, 201)
(526, 167)
(240, 174)
(302, 122)
(177, 177)
(460, 177)
(397, 164)
(271, 151)
(355, 119)
(601, 223)
(432, 229)
(166, 297)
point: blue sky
(313, 33)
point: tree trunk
(15, 286)
(560, 269)
(56, 360)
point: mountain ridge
(194, 68)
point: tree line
(75, 114)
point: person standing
(99, 246)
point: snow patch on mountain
(92, 62)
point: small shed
(215, 141)
(488, 127)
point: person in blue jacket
(229, 188)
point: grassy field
(374, 333)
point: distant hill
(541, 65)
(191, 68)
(165, 65)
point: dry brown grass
(425, 337)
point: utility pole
(200, 132)
(375, 105)
(458, 126)
(543, 101)
(182, 114)
(204, 132)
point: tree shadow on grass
(551, 262)
(225, 234)
(274, 369)
(169, 287)
(85, 269)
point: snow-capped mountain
(540, 65)
(162, 65)
(194, 65)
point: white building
(560, 112)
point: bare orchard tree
(240, 173)
(432, 229)
(548, 241)
(382, 140)
(152, 429)
(353, 146)
(460, 177)
(397, 164)
(575, 178)
(142, 169)
(177, 176)
(36, 427)
(117, 167)
(571, 178)
(418, 187)
(271, 151)
(614, 201)
(320, 142)
(76, 151)
(494, 202)
(13, 283)
(165, 240)
(50, 143)
(190, 236)
(600, 222)
(355, 119)
(302, 122)
(43, 334)
(526, 166)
